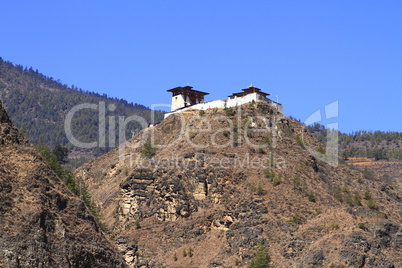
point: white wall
(177, 102)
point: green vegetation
(348, 198)
(190, 252)
(202, 113)
(267, 140)
(237, 262)
(229, 111)
(299, 141)
(331, 226)
(24, 132)
(275, 179)
(361, 226)
(337, 193)
(367, 195)
(175, 257)
(261, 258)
(148, 151)
(112, 236)
(235, 134)
(311, 197)
(372, 204)
(39, 104)
(61, 153)
(263, 109)
(257, 188)
(321, 150)
(55, 159)
(344, 195)
(357, 199)
(296, 219)
(184, 253)
(137, 224)
(269, 173)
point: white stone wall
(221, 104)
(237, 101)
(177, 102)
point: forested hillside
(377, 144)
(38, 105)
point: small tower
(185, 96)
(250, 90)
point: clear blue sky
(309, 53)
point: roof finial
(188, 84)
(251, 85)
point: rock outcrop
(219, 184)
(42, 224)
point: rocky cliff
(42, 224)
(220, 183)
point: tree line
(374, 144)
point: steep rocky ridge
(42, 224)
(222, 182)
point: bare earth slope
(223, 182)
(42, 224)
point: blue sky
(309, 53)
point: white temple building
(185, 98)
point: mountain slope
(221, 183)
(42, 224)
(40, 104)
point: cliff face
(42, 224)
(220, 183)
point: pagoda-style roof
(187, 90)
(248, 90)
